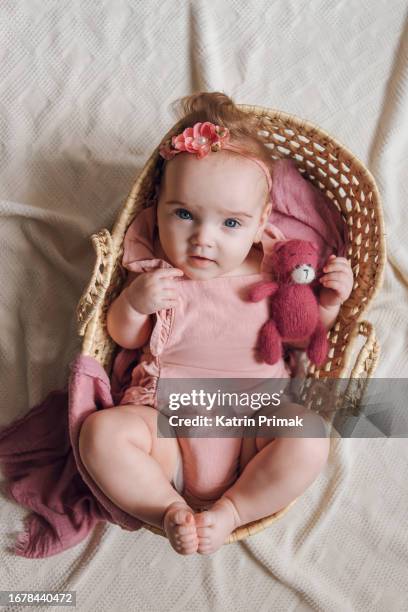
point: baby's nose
(203, 236)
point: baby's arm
(128, 320)
(126, 326)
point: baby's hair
(220, 109)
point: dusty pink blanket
(39, 452)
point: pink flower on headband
(200, 139)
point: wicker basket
(351, 188)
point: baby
(213, 205)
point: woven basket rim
(301, 122)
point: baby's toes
(183, 517)
(180, 529)
(204, 534)
(205, 548)
(186, 544)
(185, 530)
(187, 540)
(186, 549)
(205, 525)
(204, 539)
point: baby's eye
(232, 223)
(183, 213)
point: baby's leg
(281, 470)
(133, 467)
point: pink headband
(203, 138)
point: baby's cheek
(236, 258)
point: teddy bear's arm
(262, 290)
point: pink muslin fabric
(42, 468)
(212, 333)
(39, 455)
(300, 210)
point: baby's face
(214, 208)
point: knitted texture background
(85, 90)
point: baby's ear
(258, 235)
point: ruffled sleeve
(138, 247)
(138, 257)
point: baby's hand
(337, 282)
(152, 291)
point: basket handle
(365, 364)
(369, 353)
(96, 288)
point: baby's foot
(215, 525)
(180, 528)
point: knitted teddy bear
(294, 309)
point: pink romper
(212, 333)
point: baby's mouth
(200, 257)
(199, 261)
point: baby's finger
(164, 307)
(336, 265)
(338, 276)
(333, 284)
(169, 292)
(341, 260)
(169, 280)
(168, 272)
(170, 303)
